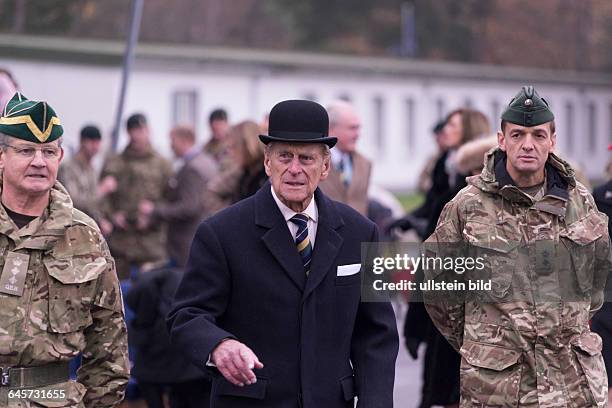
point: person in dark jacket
(272, 296)
(441, 364)
(183, 204)
(602, 321)
(160, 367)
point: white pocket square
(347, 270)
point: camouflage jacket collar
(43, 231)
(132, 154)
(495, 179)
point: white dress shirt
(311, 211)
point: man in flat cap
(272, 296)
(545, 248)
(59, 294)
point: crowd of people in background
(149, 208)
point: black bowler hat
(298, 121)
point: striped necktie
(302, 241)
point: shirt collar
(311, 211)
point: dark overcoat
(321, 346)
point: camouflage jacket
(139, 177)
(71, 304)
(525, 341)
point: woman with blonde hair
(242, 170)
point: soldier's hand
(146, 207)
(119, 220)
(106, 226)
(236, 362)
(107, 185)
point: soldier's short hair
(135, 121)
(90, 132)
(217, 114)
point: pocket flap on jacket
(589, 343)
(585, 230)
(256, 391)
(75, 269)
(489, 356)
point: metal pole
(128, 58)
(408, 29)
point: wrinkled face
(30, 168)
(219, 128)
(346, 129)
(91, 147)
(453, 132)
(527, 148)
(295, 171)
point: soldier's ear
(553, 141)
(501, 140)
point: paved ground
(407, 371)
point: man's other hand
(236, 362)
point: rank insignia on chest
(14, 273)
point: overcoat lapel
(277, 238)
(327, 242)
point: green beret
(30, 120)
(528, 109)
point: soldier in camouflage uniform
(525, 342)
(59, 294)
(141, 174)
(79, 176)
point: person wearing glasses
(59, 293)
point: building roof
(110, 53)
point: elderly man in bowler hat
(271, 298)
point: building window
(410, 124)
(441, 109)
(569, 127)
(185, 108)
(592, 127)
(379, 122)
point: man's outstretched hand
(236, 362)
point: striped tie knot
(302, 241)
